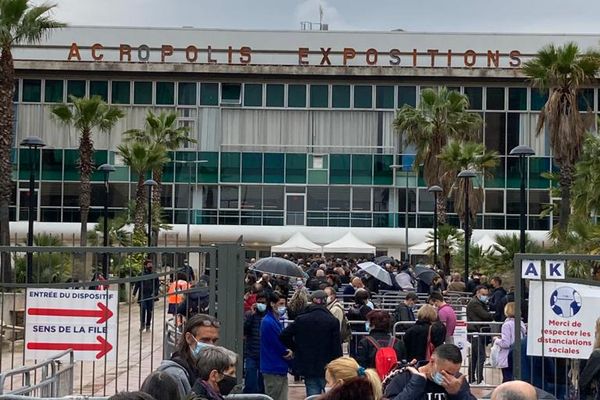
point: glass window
(209, 197)
(99, 88)
(297, 96)
(381, 199)
(383, 174)
(363, 96)
(253, 94)
(274, 167)
(517, 99)
(538, 166)
(52, 162)
(209, 94)
(384, 97)
(230, 167)
(71, 195)
(426, 199)
(231, 93)
(516, 128)
(275, 95)
(495, 98)
(71, 165)
(53, 91)
(186, 93)
(251, 197)
(361, 199)
(142, 92)
(537, 200)
(495, 128)
(339, 169)
(319, 96)
(165, 93)
(16, 93)
(51, 194)
(362, 169)
(585, 99)
(273, 197)
(229, 197)
(295, 168)
(75, 88)
(494, 201)
(407, 95)
(339, 198)
(317, 198)
(119, 194)
(474, 94)
(209, 171)
(538, 99)
(513, 174)
(412, 200)
(252, 167)
(513, 202)
(120, 92)
(340, 96)
(32, 90)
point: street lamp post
(522, 152)
(435, 190)
(467, 174)
(106, 169)
(150, 184)
(31, 142)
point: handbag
(495, 356)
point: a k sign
(531, 269)
(555, 269)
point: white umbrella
(375, 270)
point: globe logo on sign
(565, 302)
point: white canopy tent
(349, 244)
(420, 248)
(487, 244)
(298, 243)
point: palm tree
(507, 245)
(586, 197)
(142, 158)
(20, 23)
(87, 114)
(563, 70)
(449, 241)
(440, 116)
(458, 156)
(161, 129)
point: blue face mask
(483, 298)
(281, 310)
(260, 307)
(368, 326)
(437, 378)
(197, 350)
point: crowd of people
(300, 326)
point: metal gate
(137, 352)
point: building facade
(293, 129)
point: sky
(523, 16)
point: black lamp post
(466, 175)
(150, 184)
(106, 169)
(31, 142)
(435, 190)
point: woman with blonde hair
(349, 381)
(506, 340)
(425, 335)
(298, 303)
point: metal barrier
(55, 378)
(248, 397)
(17, 397)
(137, 353)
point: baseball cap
(318, 294)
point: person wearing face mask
(216, 374)
(311, 356)
(253, 380)
(439, 379)
(333, 305)
(274, 356)
(200, 331)
(477, 311)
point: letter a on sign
(555, 269)
(531, 269)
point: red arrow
(102, 346)
(103, 313)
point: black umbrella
(278, 266)
(384, 259)
(425, 274)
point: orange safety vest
(177, 286)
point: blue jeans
(314, 385)
(146, 308)
(253, 380)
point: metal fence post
(518, 305)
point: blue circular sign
(565, 302)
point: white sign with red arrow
(61, 319)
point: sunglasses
(208, 322)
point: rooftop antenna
(309, 26)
